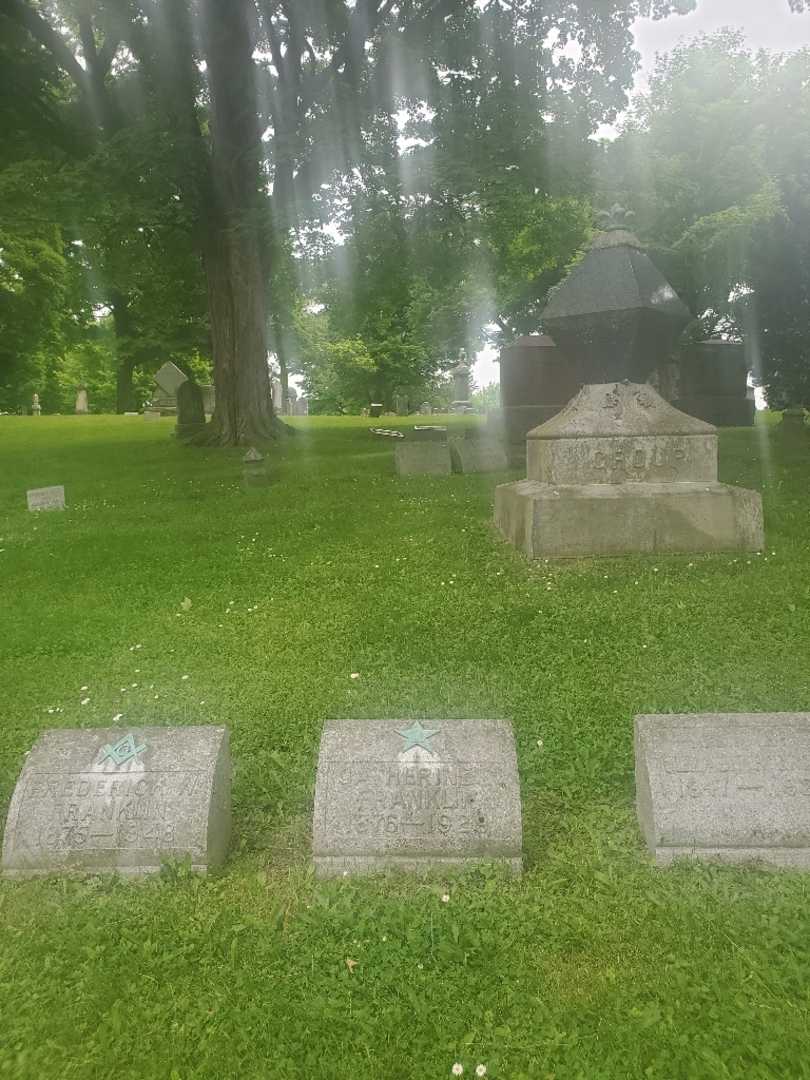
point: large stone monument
(709, 380)
(461, 385)
(536, 383)
(416, 795)
(120, 800)
(619, 470)
(169, 378)
(725, 787)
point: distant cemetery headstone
(36, 408)
(429, 456)
(120, 800)
(375, 409)
(47, 498)
(415, 795)
(82, 406)
(726, 787)
(190, 410)
(478, 455)
(151, 414)
(170, 378)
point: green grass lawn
(592, 966)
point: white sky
(768, 24)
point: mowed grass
(593, 966)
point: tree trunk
(232, 245)
(122, 324)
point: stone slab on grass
(47, 498)
(120, 800)
(729, 787)
(426, 456)
(416, 795)
(478, 456)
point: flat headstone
(414, 795)
(47, 498)
(120, 800)
(170, 378)
(422, 456)
(478, 455)
(151, 414)
(730, 787)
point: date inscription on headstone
(113, 800)
(725, 786)
(416, 794)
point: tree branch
(20, 12)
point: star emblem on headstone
(416, 735)
(123, 751)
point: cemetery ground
(168, 594)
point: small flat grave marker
(725, 787)
(478, 456)
(47, 498)
(415, 795)
(430, 456)
(120, 800)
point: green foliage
(593, 965)
(715, 163)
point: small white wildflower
(50, 710)
(539, 744)
(655, 569)
(83, 688)
(185, 676)
(134, 685)
(137, 671)
(355, 675)
(446, 898)
(458, 1069)
(85, 700)
(480, 1070)
(419, 966)
(139, 646)
(384, 938)
(117, 717)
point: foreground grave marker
(414, 795)
(47, 498)
(120, 800)
(725, 786)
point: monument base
(620, 471)
(545, 520)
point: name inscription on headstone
(109, 800)
(725, 786)
(410, 794)
(47, 498)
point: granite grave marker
(415, 795)
(46, 498)
(725, 787)
(120, 800)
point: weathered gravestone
(413, 795)
(190, 410)
(82, 407)
(725, 786)
(47, 498)
(375, 409)
(254, 470)
(120, 800)
(478, 455)
(422, 456)
(170, 378)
